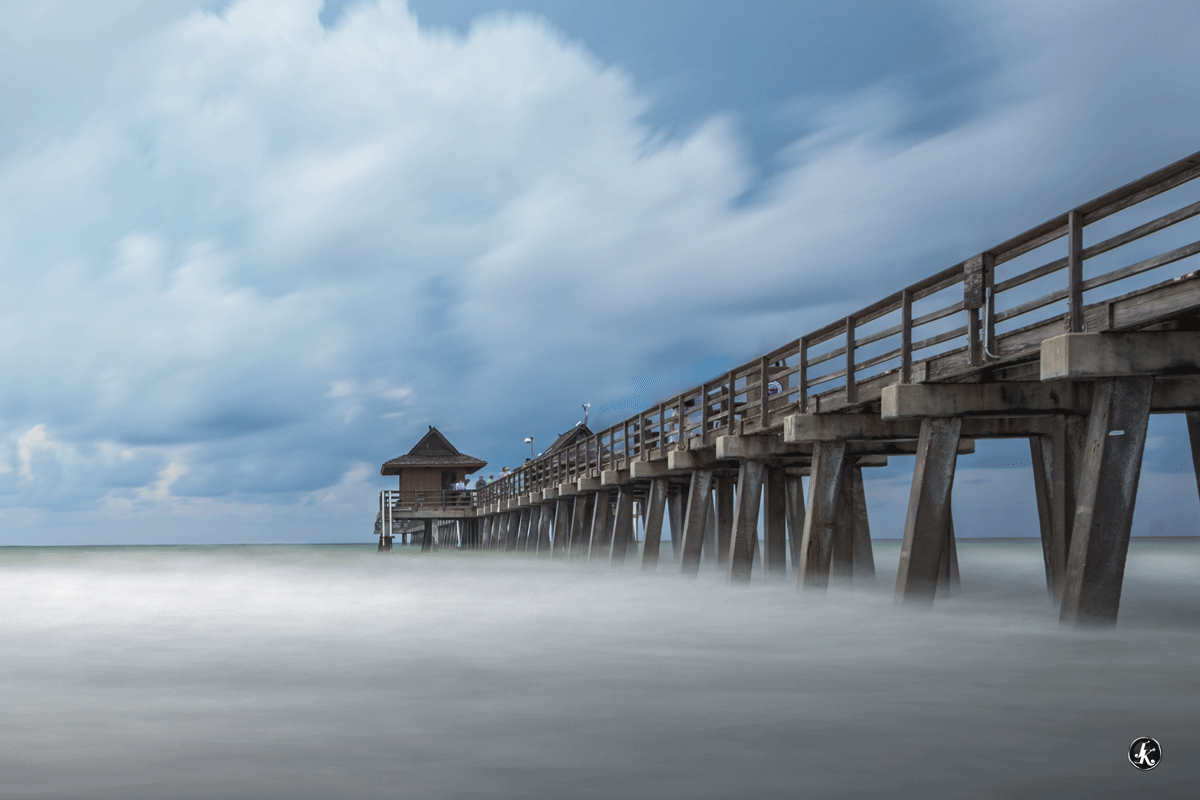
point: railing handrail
(731, 400)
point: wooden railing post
(764, 412)
(729, 415)
(851, 389)
(1075, 269)
(680, 444)
(802, 373)
(906, 336)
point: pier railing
(412, 500)
(988, 312)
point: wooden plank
(1108, 484)
(1178, 254)
(1131, 194)
(764, 409)
(906, 338)
(973, 283)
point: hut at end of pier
(426, 474)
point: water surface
(334, 672)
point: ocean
(333, 672)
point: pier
(1068, 335)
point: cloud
(275, 251)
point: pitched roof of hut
(434, 450)
(569, 438)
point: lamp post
(529, 441)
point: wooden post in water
(795, 516)
(1108, 484)
(925, 529)
(601, 538)
(656, 504)
(775, 522)
(824, 488)
(695, 521)
(622, 526)
(724, 493)
(745, 520)
(562, 525)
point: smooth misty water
(332, 672)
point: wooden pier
(1069, 346)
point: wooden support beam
(724, 521)
(795, 516)
(824, 485)
(486, 535)
(928, 510)
(543, 529)
(760, 447)
(917, 400)
(948, 581)
(775, 523)
(680, 461)
(677, 502)
(614, 477)
(709, 551)
(581, 518)
(745, 520)
(1108, 484)
(1066, 458)
(1040, 451)
(841, 543)
(656, 504)
(800, 428)
(514, 530)
(427, 539)
(1100, 355)
(531, 531)
(641, 470)
(864, 555)
(695, 519)
(602, 518)
(1193, 426)
(562, 524)
(622, 526)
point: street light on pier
(529, 441)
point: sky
(252, 249)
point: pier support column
(745, 520)
(427, 539)
(622, 526)
(562, 525)
(1108, 480)
(655, 505)
(925, 528)
(695, 520)
(795, 516)
(677, 502)
(1193, 426)
(581, 518)
(775, 522)
(724, 492)
(543, 530)
(824, 487)
(526, 516)
(485, 536)
(1061, 458)
(514, 530)
(602, 518)
(709, 551)
(948, 580)
(864, 554)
